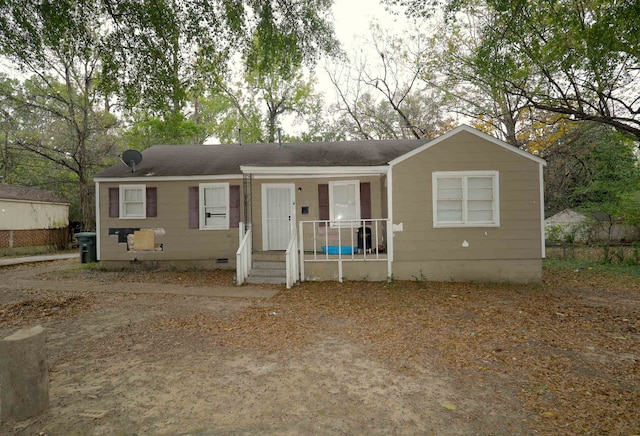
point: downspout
(97, 221)
(390, 222)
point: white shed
(32, 220)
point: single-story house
(32, 220)
(464, 206)
(570, 225)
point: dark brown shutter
(365, 201)
(194, 207)
(152, 202)
(114, 202)
(323, 202)
(234, 206)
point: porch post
(301, 248)
(389, 222)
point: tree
(389, 97)
(172, 128)
(57, 106)
(230, 115)
(576, 58)
(453, 70)
(590, 167)
(60, 124)
(260, 105)
(274, 86)
(83, 54)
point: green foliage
(420, 278)
(592, 168)
(81, 57)
(173, 128)
(260, 104)
(558, 234)
(153, 54)
(56, 138)
(613, 185)
(576, 58)
(586, 266)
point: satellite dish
(131, 158)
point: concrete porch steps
(267, 267)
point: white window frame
(122, 201)
(202, 206)
(464, 176)
(332, 217)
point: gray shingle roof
(27, 193)
(197, 160)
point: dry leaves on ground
(42, 306)
(570, 346)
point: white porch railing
(344, 241)
(243, 255)
(291, 258)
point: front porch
(325, 250)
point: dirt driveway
(186, 353)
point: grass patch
(597, 267)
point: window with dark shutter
(365, 200)
(323, 202)
(152, 202)
(234, 206)
(194, 207)
(114, 202)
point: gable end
(471, 130)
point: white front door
(278, 215)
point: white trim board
(166, 178)
(298, 171)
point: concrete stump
(24, 380)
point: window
(466, 199)
(129, 196)
(133, 201)
(344, 201)
(210, 199)
(214, 206)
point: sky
(352, 20)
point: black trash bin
(364, 239)
(87, 244)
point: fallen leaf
(448, 405)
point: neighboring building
(465, 206)
(573, 226)
(32, 220)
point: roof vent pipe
(239, 136)
(279, 137)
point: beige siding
(444, 252)
(181, 245)
(306, 193)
